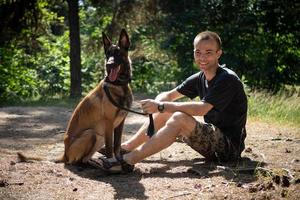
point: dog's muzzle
(112, 67)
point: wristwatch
(161, 107)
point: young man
(223, 105)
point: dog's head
(117, 62)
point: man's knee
(178, 117)
(182, 120)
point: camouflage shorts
(211, 143)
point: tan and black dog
(96, 121)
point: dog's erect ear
(106, 41)
(124, 40)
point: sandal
(122, 151)
(118, 166)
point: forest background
(52, 49)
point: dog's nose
(110, 61)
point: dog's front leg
(118, 137)
(108, 139)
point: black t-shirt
(226, 93)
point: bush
(18, 78)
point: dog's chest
(124, 102)
(122, 113)
(120, 116)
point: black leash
(150, 131)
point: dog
(96, 121)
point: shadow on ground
(125, 185)
(130, 186)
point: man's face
(207, 54)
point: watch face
(161, 107)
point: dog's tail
(23, 158)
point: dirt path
(175, 173)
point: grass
(56, 101)
(280, 108)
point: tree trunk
(75, 60)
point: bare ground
(175, 173)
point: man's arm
(191, 108)
(171, 95)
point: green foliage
(52, 65)
(260, 42)
(92, 56)
(16, 15)
(35, 63)
(153, 70)
(18, 79)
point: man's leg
(140, 137)
(210, 142)
(178, 124)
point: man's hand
(149, 106)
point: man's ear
(219, 53)
(124, 40)
(106, 41)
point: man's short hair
(208, 35)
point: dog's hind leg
(82, 146)
(97, 145)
